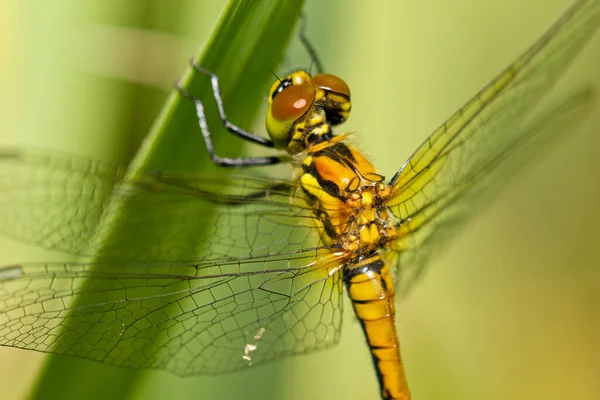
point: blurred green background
(509, 311)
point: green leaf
(249, 40)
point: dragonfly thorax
(371, 225)
(348, 197)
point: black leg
(225, 161)
(214, 81)
(314, 58)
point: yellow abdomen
(371, 290)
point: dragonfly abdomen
(371, 289)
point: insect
(274, 256)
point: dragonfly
(273, 255)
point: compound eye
(331, 83)
(292, 102)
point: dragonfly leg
(310, 49)
(202, 121)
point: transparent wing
(434, 190)
(256, 286)
(203, 318)
(61, 202)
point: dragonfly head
(302, 108)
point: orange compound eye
(286, 107)
(331, 83)
(292, 102)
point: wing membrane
(65, 203)
(190, 319)
(258, 285)
(435, 188)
